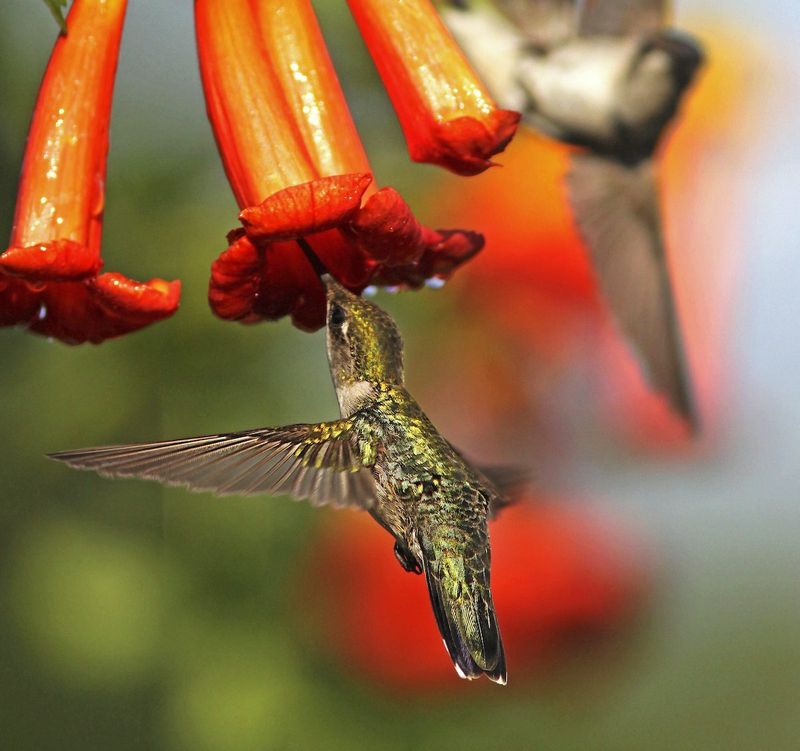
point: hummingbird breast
(423, 482)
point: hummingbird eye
(337, 316)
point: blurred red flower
(49, 278)
(299, 172)
(556, 572)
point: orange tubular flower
(299, 172)
(49, 275)
(447, 115)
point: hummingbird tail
(467, 622)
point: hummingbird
(607, 76)
(383, 456)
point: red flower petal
(234, 280)
(290, 286)
(305, 209)
(57, 260)
(444, 251)
(387, 229)
(108, 306)
(18, 302)
(149, 301)
(269, 281)
(264, 275)
(464, 145)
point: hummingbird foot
(406, 558)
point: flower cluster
(290, 150)
(297, 166)
(49, 275)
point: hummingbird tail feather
(467, 623)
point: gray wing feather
(545, 23)
(622, 17)
(616, 208)
(294, 460)
(510, 483)
(503, 485)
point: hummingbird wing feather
(319, 462)
(622, 17)
(545, 23)
(616, 208)
(510, 481)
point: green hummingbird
(384, 456)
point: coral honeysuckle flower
(299, 172)
(447, 115)
(49, 278)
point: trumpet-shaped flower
(447, 114)
(299, 172)
(49, 277)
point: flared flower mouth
(299, 172)
(49, 275)
(447, 114)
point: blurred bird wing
(616, 208)
(622, 17)
(545, 23)
(505, 484)
(319, 462)
(510, 483)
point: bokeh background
(648, 587)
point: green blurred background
(136, 617)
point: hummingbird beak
(330, 284)
(332, 287)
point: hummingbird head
(364, 345)
(662, 66)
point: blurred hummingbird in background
(384, 456)
(606, 75)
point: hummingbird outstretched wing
(622, 17)
(319, 462)
(616, 207)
